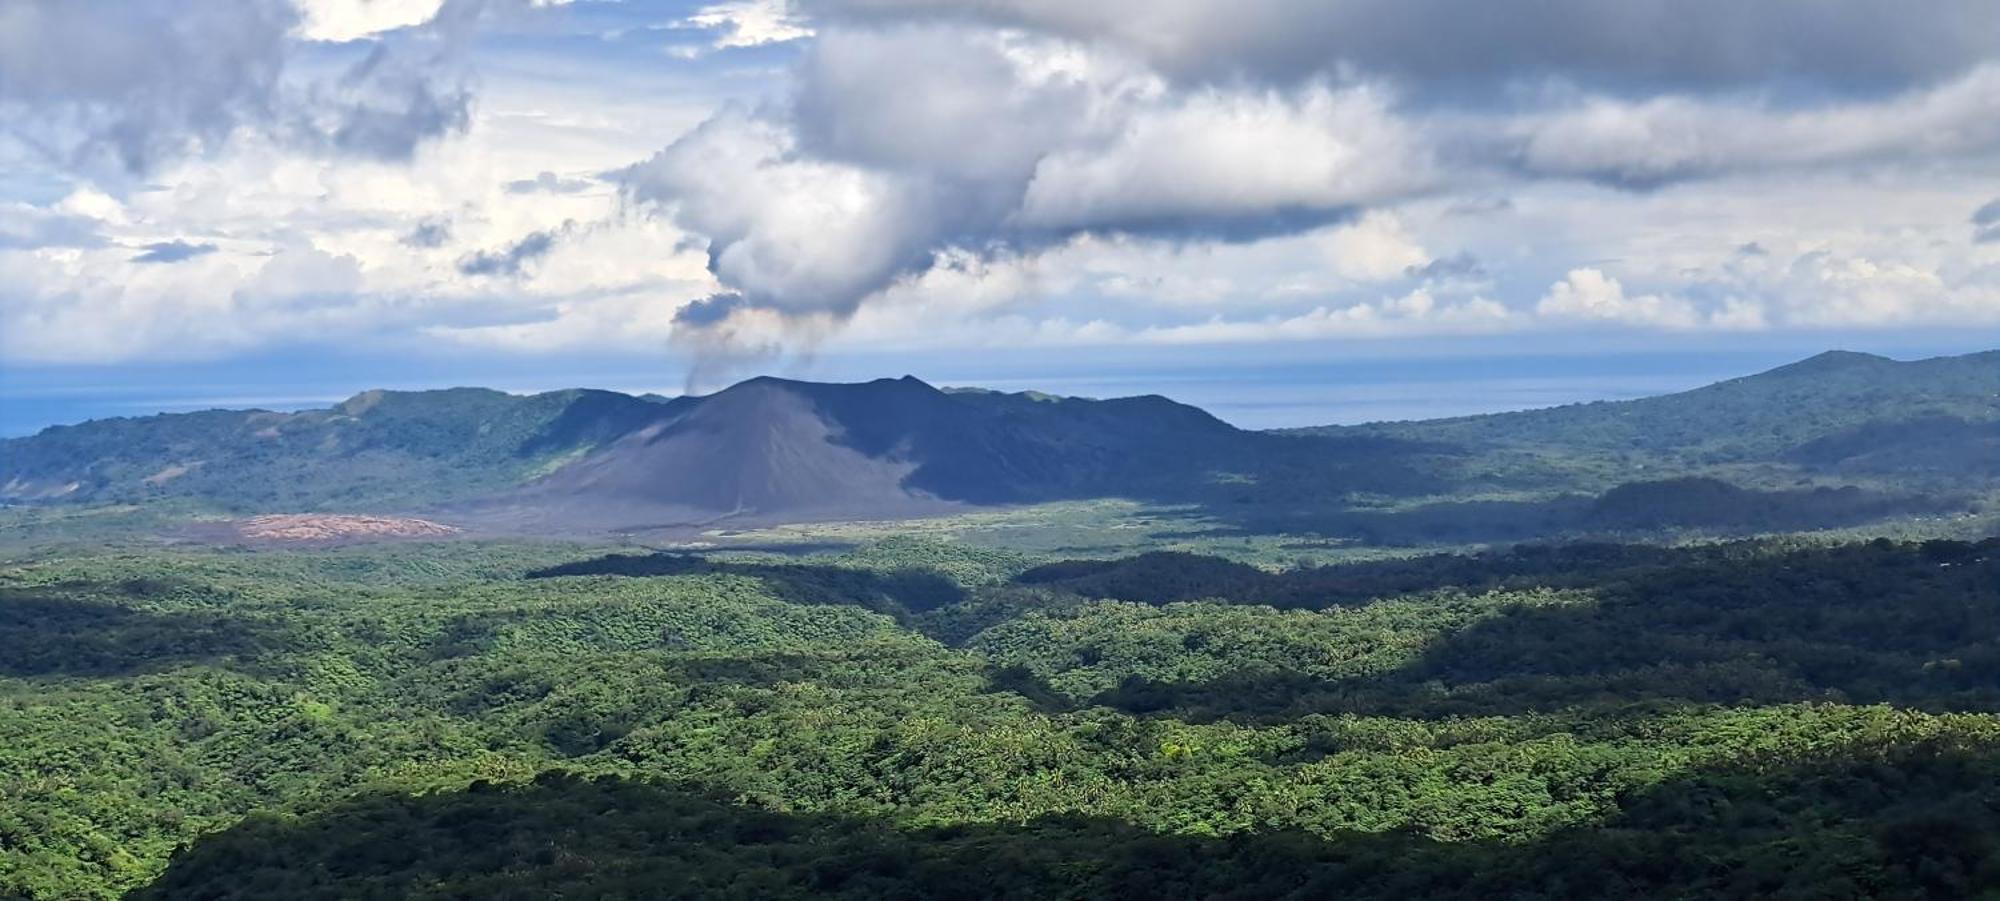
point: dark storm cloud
(1986, 222)
(1653, 142)
(387, 105)
(1452, 45)
(134, 83)
(1480, 206)
(1202, 122)
(708, 310)
(141, 79)
(1198, 226)
(429, 233)
(548, 183)
(171, 252)
(902, 169)
(1461, 265)
(510, 260)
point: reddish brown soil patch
(337, 527)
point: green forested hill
(767, 446)
(461, 720)
(377, 449)
(607, 837)
(1758, 417)
(1830, 442)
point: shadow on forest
(1906, 624)
(1632, 508)
(1164, 577)
(1909, 624)
(897, 593)
(1444, 522)
(62, 630)
(1912, 822)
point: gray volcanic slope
(758, 448)
(771, 448)
(567, 461)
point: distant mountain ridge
(772, 445)
(1754, 418)
(773, 449)
(763, 447)
(376, 448)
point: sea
(1250, 390)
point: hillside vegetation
(377, 450)
(593, 460)
(1755, 418)
(1838, 440)
(913, 718)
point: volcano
(772, 448)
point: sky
(1298, 210)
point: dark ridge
(1751, 623)
(897, 593)
(591, 418)
(1831, 361)
(1751, 419)
(1944, 443)
(772, 449)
